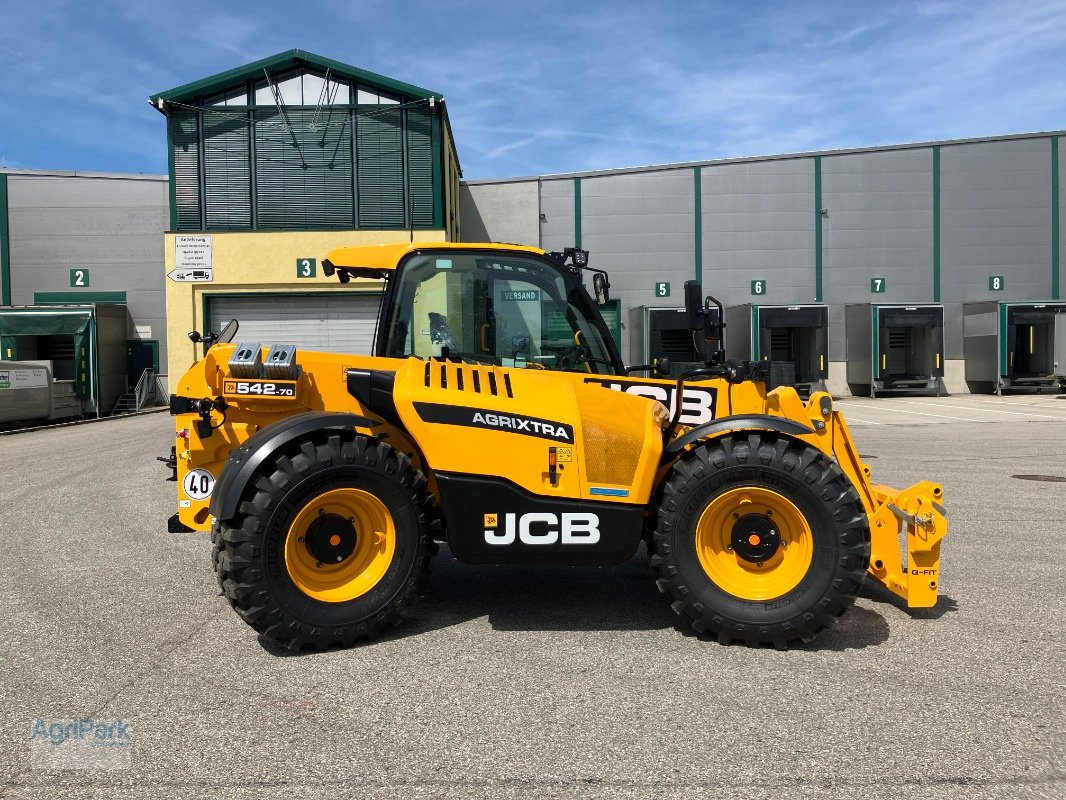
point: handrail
(144, 385)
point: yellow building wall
(260, 261)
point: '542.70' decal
(259, 388)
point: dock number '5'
(551, 528)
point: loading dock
(83, 346)
(1015, 346)
(796, 337)
(663, 332)
(894, 347)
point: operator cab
(502, 308)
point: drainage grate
(1044, 478)
(865, 457)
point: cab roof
(383, 258)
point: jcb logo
(697, 405)
(550, 528)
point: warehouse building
(923, 267)
(81, 280)
(274, 164)
(903, 236)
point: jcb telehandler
(496, 416)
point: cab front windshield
(489, 308)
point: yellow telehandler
(496, 416)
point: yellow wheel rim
(346, 524)
(754, 543)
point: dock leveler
(895, 347)
(663, 332)
(1015, 346)
(797, 335)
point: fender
(739, 422)
(246, 459)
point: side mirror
(601, 288)
(694, 305)
(229, 332)
(661, 365)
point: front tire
(760, 539)
(330, 545)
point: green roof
(281, 61)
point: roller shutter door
(329, 323)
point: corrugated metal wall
(556, 213)
(758, 224)
(878, 223)
(640, 227)
(111, 226)
(996, 220)
(504, 212)
(828, 222)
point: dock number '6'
(570, 529)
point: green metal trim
(818, 228)
(205, 301)
(936, 223)
(1003, 339)
(697, 197)
(875, 345)
(613, 306)
(1055, 218)
(94, 362)
(577, 213)
(231, 77)
(436, 145)
(5, 246)
(172, 181)
(155, 352)
(451, 138)
(756, 345)
(77, 298)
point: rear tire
(372, 511)
(760, 539)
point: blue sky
(545, 87)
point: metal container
(1014, 346)
(796, 335)
(895, 347)
(25, 391)
(659, 332)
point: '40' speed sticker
(198, 484)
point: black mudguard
(762, 422)
(246, 459)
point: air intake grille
(613, 430)
(467, 378)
